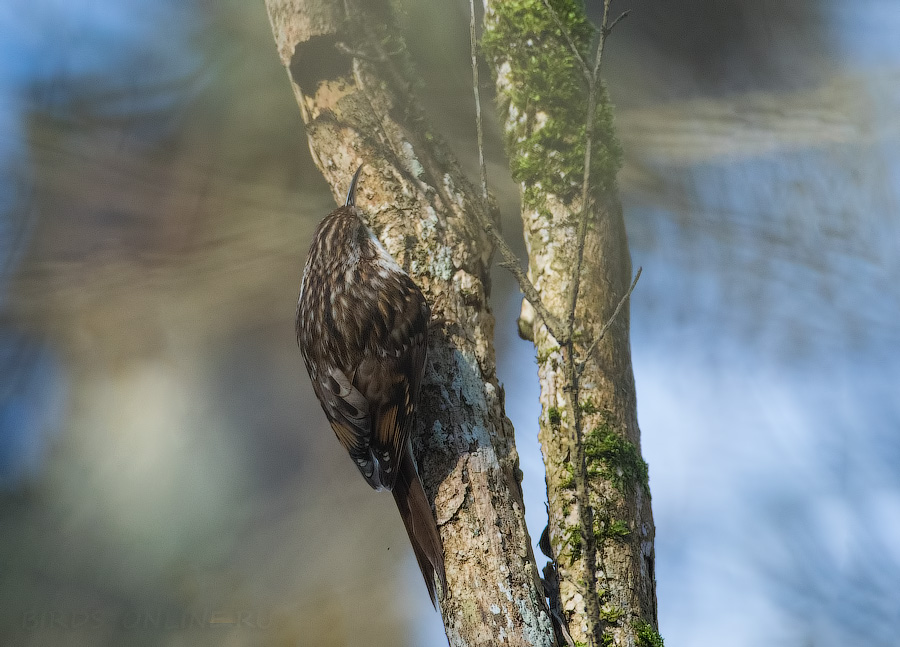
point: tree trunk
(352, 79)
(542, 95)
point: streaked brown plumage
(362, 325)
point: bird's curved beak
(351, 192)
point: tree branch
(364, 111)
(509, 260)
(574, 48)
(622, 16)
(609, 322)
(572, 372)
(580, 259)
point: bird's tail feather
(420, 525)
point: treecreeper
(362, 327)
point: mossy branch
(508, 259)
(572, 370)
(361, 104)
(592, 78)
(546, 134)
(563, 333)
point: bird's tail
(420, 525)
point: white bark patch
(485, 458)
(536, 626)
(458, 197)
(428, 224)
(467, 381)
(440, 263)
(413, 165)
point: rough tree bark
(352, 80)
(540, 51)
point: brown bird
(362, 326)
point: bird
(362, 327)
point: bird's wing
(391, 383)
(348, 412)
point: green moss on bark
(547, 100)
(646, 635)
(611, 456)
(554, 416)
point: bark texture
(542, 94)
(352, 80)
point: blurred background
(166, 477)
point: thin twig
(478, 127)
(622, 16)
(509, 260)
(572, 369)
(344, 48)
(583, 220)
(609, 322)
(601, 41)
(565, 32)
(586, 179)
(583, 500)
(621, 303)
(593, 88)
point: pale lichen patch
(467, 380)
(440, 263)
(536, 624)
(413, 165)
